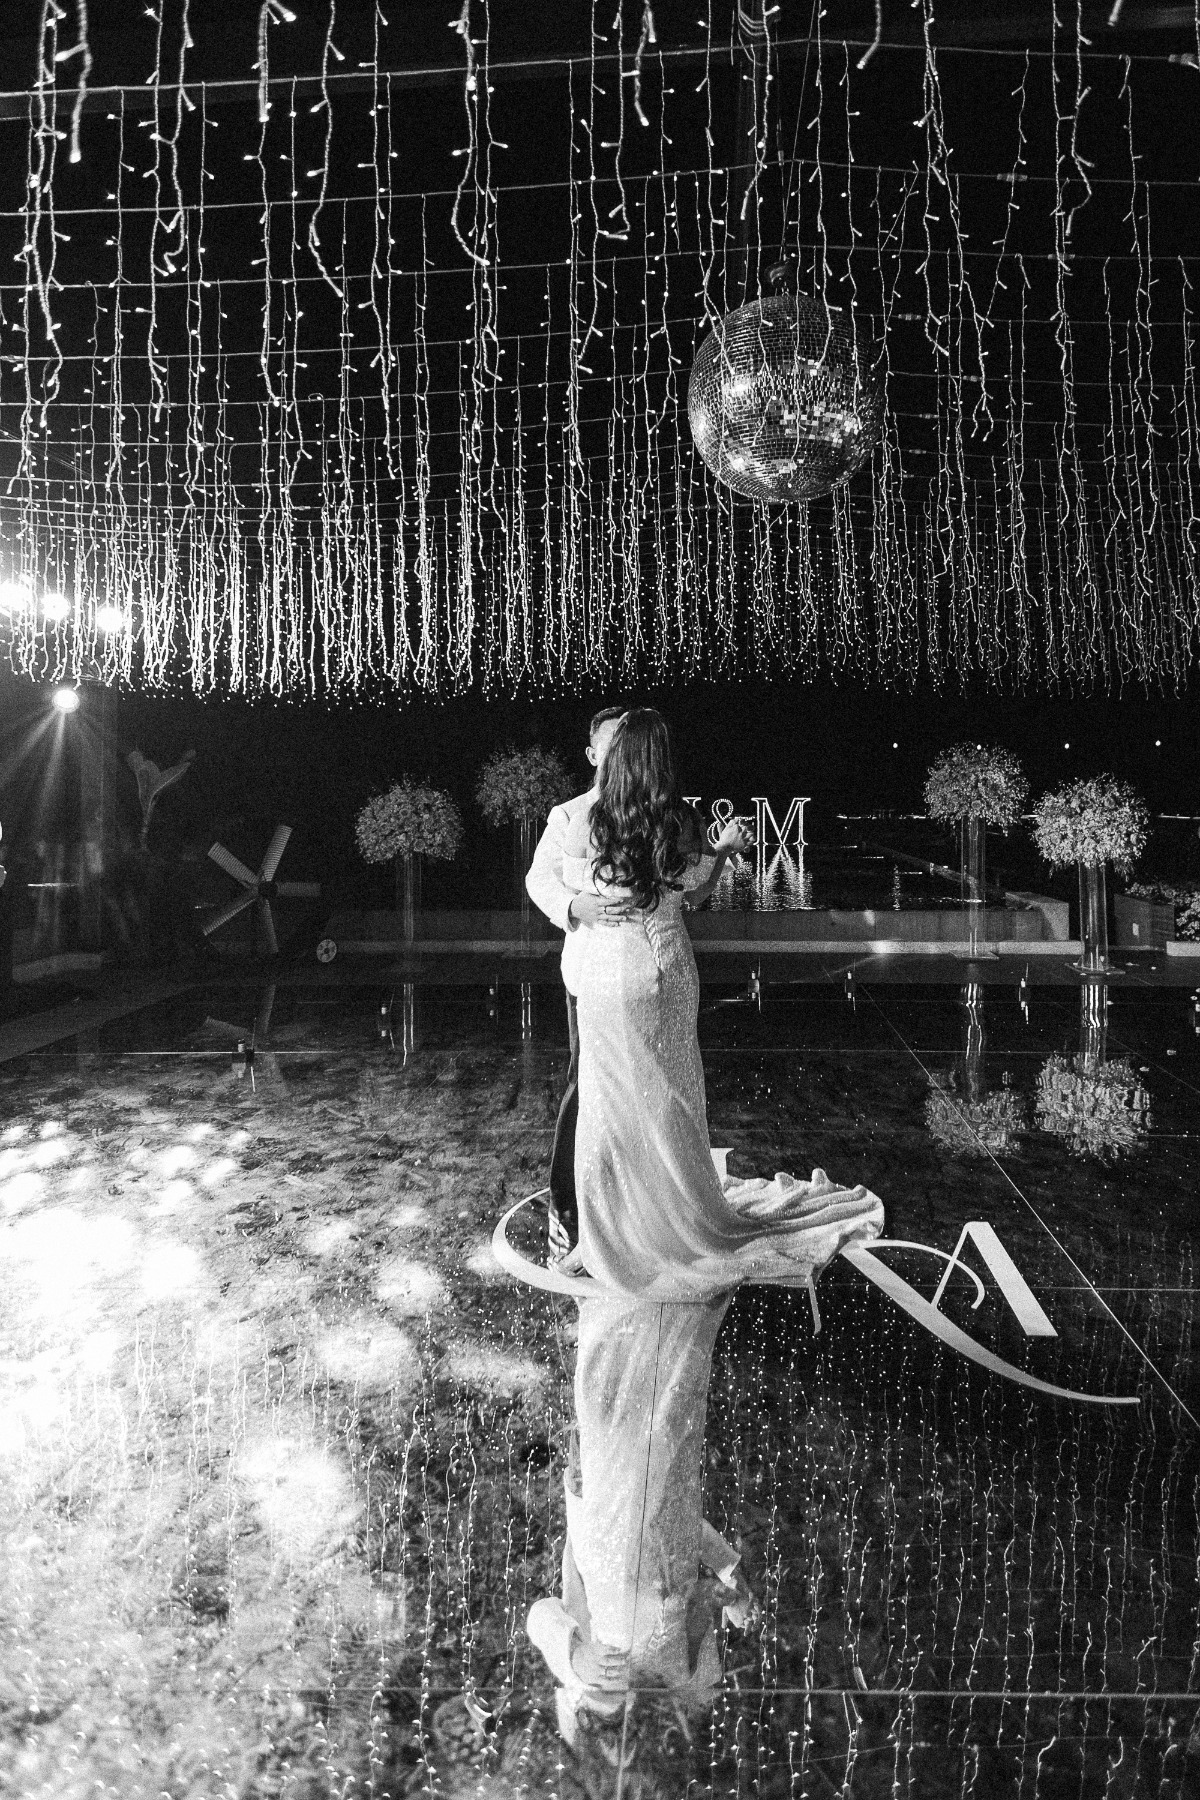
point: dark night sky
(312, 766)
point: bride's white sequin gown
(655, 1219)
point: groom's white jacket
(545, 882)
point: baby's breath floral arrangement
(1185, 900)
(972, 782)
(409, 819)
(974, 1127)
(521, 784)
(1092, 822)
(1161, 892)
(1100, 1109)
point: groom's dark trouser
(564, 1212)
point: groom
(569, 910)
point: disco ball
(778, 403)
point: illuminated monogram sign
(1008, 1278)
(766, 826)
(1015, 1291)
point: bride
(656, 1221)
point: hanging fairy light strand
(81, 49)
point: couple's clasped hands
(735, 839)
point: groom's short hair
(602, 718)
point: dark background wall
(851, 748)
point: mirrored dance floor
(283, 1448)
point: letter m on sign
(762, 807)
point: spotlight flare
(15, 596)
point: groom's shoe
(562, 1227)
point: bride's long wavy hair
(641, 830)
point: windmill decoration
(781, 403)
(259, 890)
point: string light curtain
(340, 378)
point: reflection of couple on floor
(665, 1237)
(645, 1577)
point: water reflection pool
(848, 877)
(283, 1450)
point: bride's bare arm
(695, 897)
(733, 841)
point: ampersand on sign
(720, 819)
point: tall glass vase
(972, 838)
(408, 891)
(522, 857)
(1093, 918)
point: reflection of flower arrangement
(1185, 900)
(970, 783)
(521, 784)
(409, 818)
(1100, 1108)
(1092, 822)
(974, 1127)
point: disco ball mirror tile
(780, 402)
